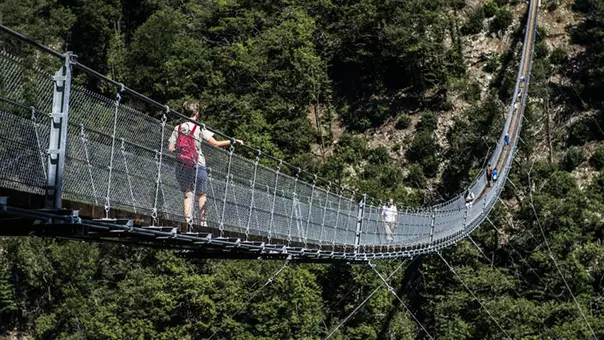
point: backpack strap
(193, 131)
(180, 129)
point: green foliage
(423, 150)
(490, 9)
(260, 68)
(427, 123)
(474, 23)
(403, 122)
(573, 157)
(492, 64)
(597, 158)
(560, 184)
(503, 19)
(416, 177)
(589, 34)
(541, 50)
(558, 56)
(472, 93)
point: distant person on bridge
(494, 175)
(191, 170)
(506, 139)
(389, 218)
(470, 198)
(489, 174)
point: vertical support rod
(432, 226)
(252, 198)
(312, 195)
(57, 146)
(294, 207)
(270, 225)
(465, 218)
(360, 215)
(324, 215)
(335, 230)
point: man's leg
(202, 189)
(188, 207)
(388, 231)
(202, 210)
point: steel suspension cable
(312, 194)
(36, 125)
(123, 151)
(272, 220)
(551, 256)
(84, 140)
(472, 293)
(513, 289)
(391, 290)
(268, 282)
(294, 207)
(252, 198)
(324, 215)
(523, 260)
(118, 99)
(335, 231)
(366, 299)
(159, 156)
(226, 189)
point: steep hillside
(410, 95)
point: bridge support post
(432, 227)
(465, 218)
(57, 145)
(360, 215)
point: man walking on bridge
(191, 171)
(389, 218)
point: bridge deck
(116, 166)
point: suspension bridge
(90, 166)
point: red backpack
(187, 151)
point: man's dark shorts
(189, 181)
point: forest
(319, 84)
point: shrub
(472, 93)
(428, 122)
(558, 56)
(416, 176)
(475, 22)
(560, 184)
(492, 64)
(541, 50)
(379, 155)
(598, 158)
(551, 5)
(403, 122)
(490, 9)
(574, 156)
(502, 20)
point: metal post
(57, 144)
(465, 218)
(361, 213)
(432, 227)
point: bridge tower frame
(57, 143)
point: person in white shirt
(469, 198)
(191, 170)
(389, 218)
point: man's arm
(172, 140)
(222, 143)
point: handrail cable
(268, 282)
(391, 290)
(551, 255)
(473, 295)
(367, 299)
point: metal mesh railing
(117, 158)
